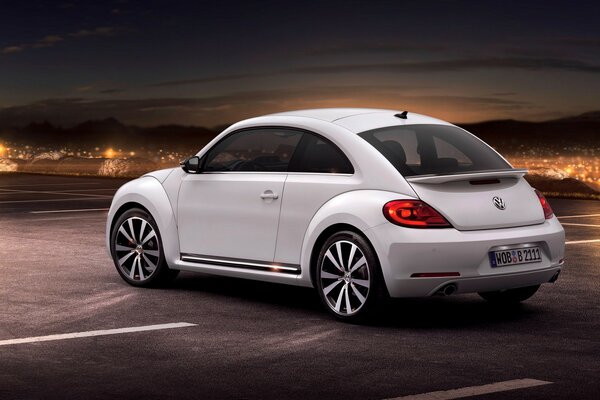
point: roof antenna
(402, 115)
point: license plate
(501, 258)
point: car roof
(332, 114)
(360, 119)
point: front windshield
(433, 149)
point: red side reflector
(414, 214)
(434, 274)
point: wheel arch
(122, 210)
(148, 194)
(356, 211)
(323, 236)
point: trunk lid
(481, 200)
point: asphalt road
(261, 341)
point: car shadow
(459, 311)
(435, 312)
(296, 297)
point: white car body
(217, 222)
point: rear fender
(362, 209)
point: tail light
(414, 214)
(548, 213)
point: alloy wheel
(137, 249)
(345, 279)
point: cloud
(51, 40)
(374, 48)
(108, 91)
(453, 65)
(47, 41)
(581, 41)
(12, 49)
(216, 78)
(85, 88)
(100, 31)
(214, 110)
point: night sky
(209, 63)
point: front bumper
(405, 251)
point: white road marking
(574, 224)
(476, 390)
(68, 211)
(103, 332)
(51, 184)
(579, 216)
(50, 200)
(583, 241)
(15, 191)
(89, 190)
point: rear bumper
(403, 252)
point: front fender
(148, 192)
(363, 209)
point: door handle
(268, 194)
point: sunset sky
(158, 62)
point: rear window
(433, 149)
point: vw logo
(499, 203)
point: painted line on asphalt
(67, 211)
(15, 191)
(574, 224)
(579, 216)
(51, 184)
(583, 241)
(113, 189)
(51, 200)
(103, 332)
(476, 390)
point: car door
(230, 210)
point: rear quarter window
(318, 155)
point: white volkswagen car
(360, 204)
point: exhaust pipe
(554, 277)
(446, 290)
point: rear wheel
(348, 278)
(137, 250)
(510, 296)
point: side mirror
(191, 165)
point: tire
(137, 250)
(510, 296)
(351, 286)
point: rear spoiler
(469, 176)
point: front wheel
(510, 296)
(348, 277)
(137, 250)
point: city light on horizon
(110, 153)
(582, 164)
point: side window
(262, 149)
(316, 154)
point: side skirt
(289, 269)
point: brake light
(414, 214)
(548, 213)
